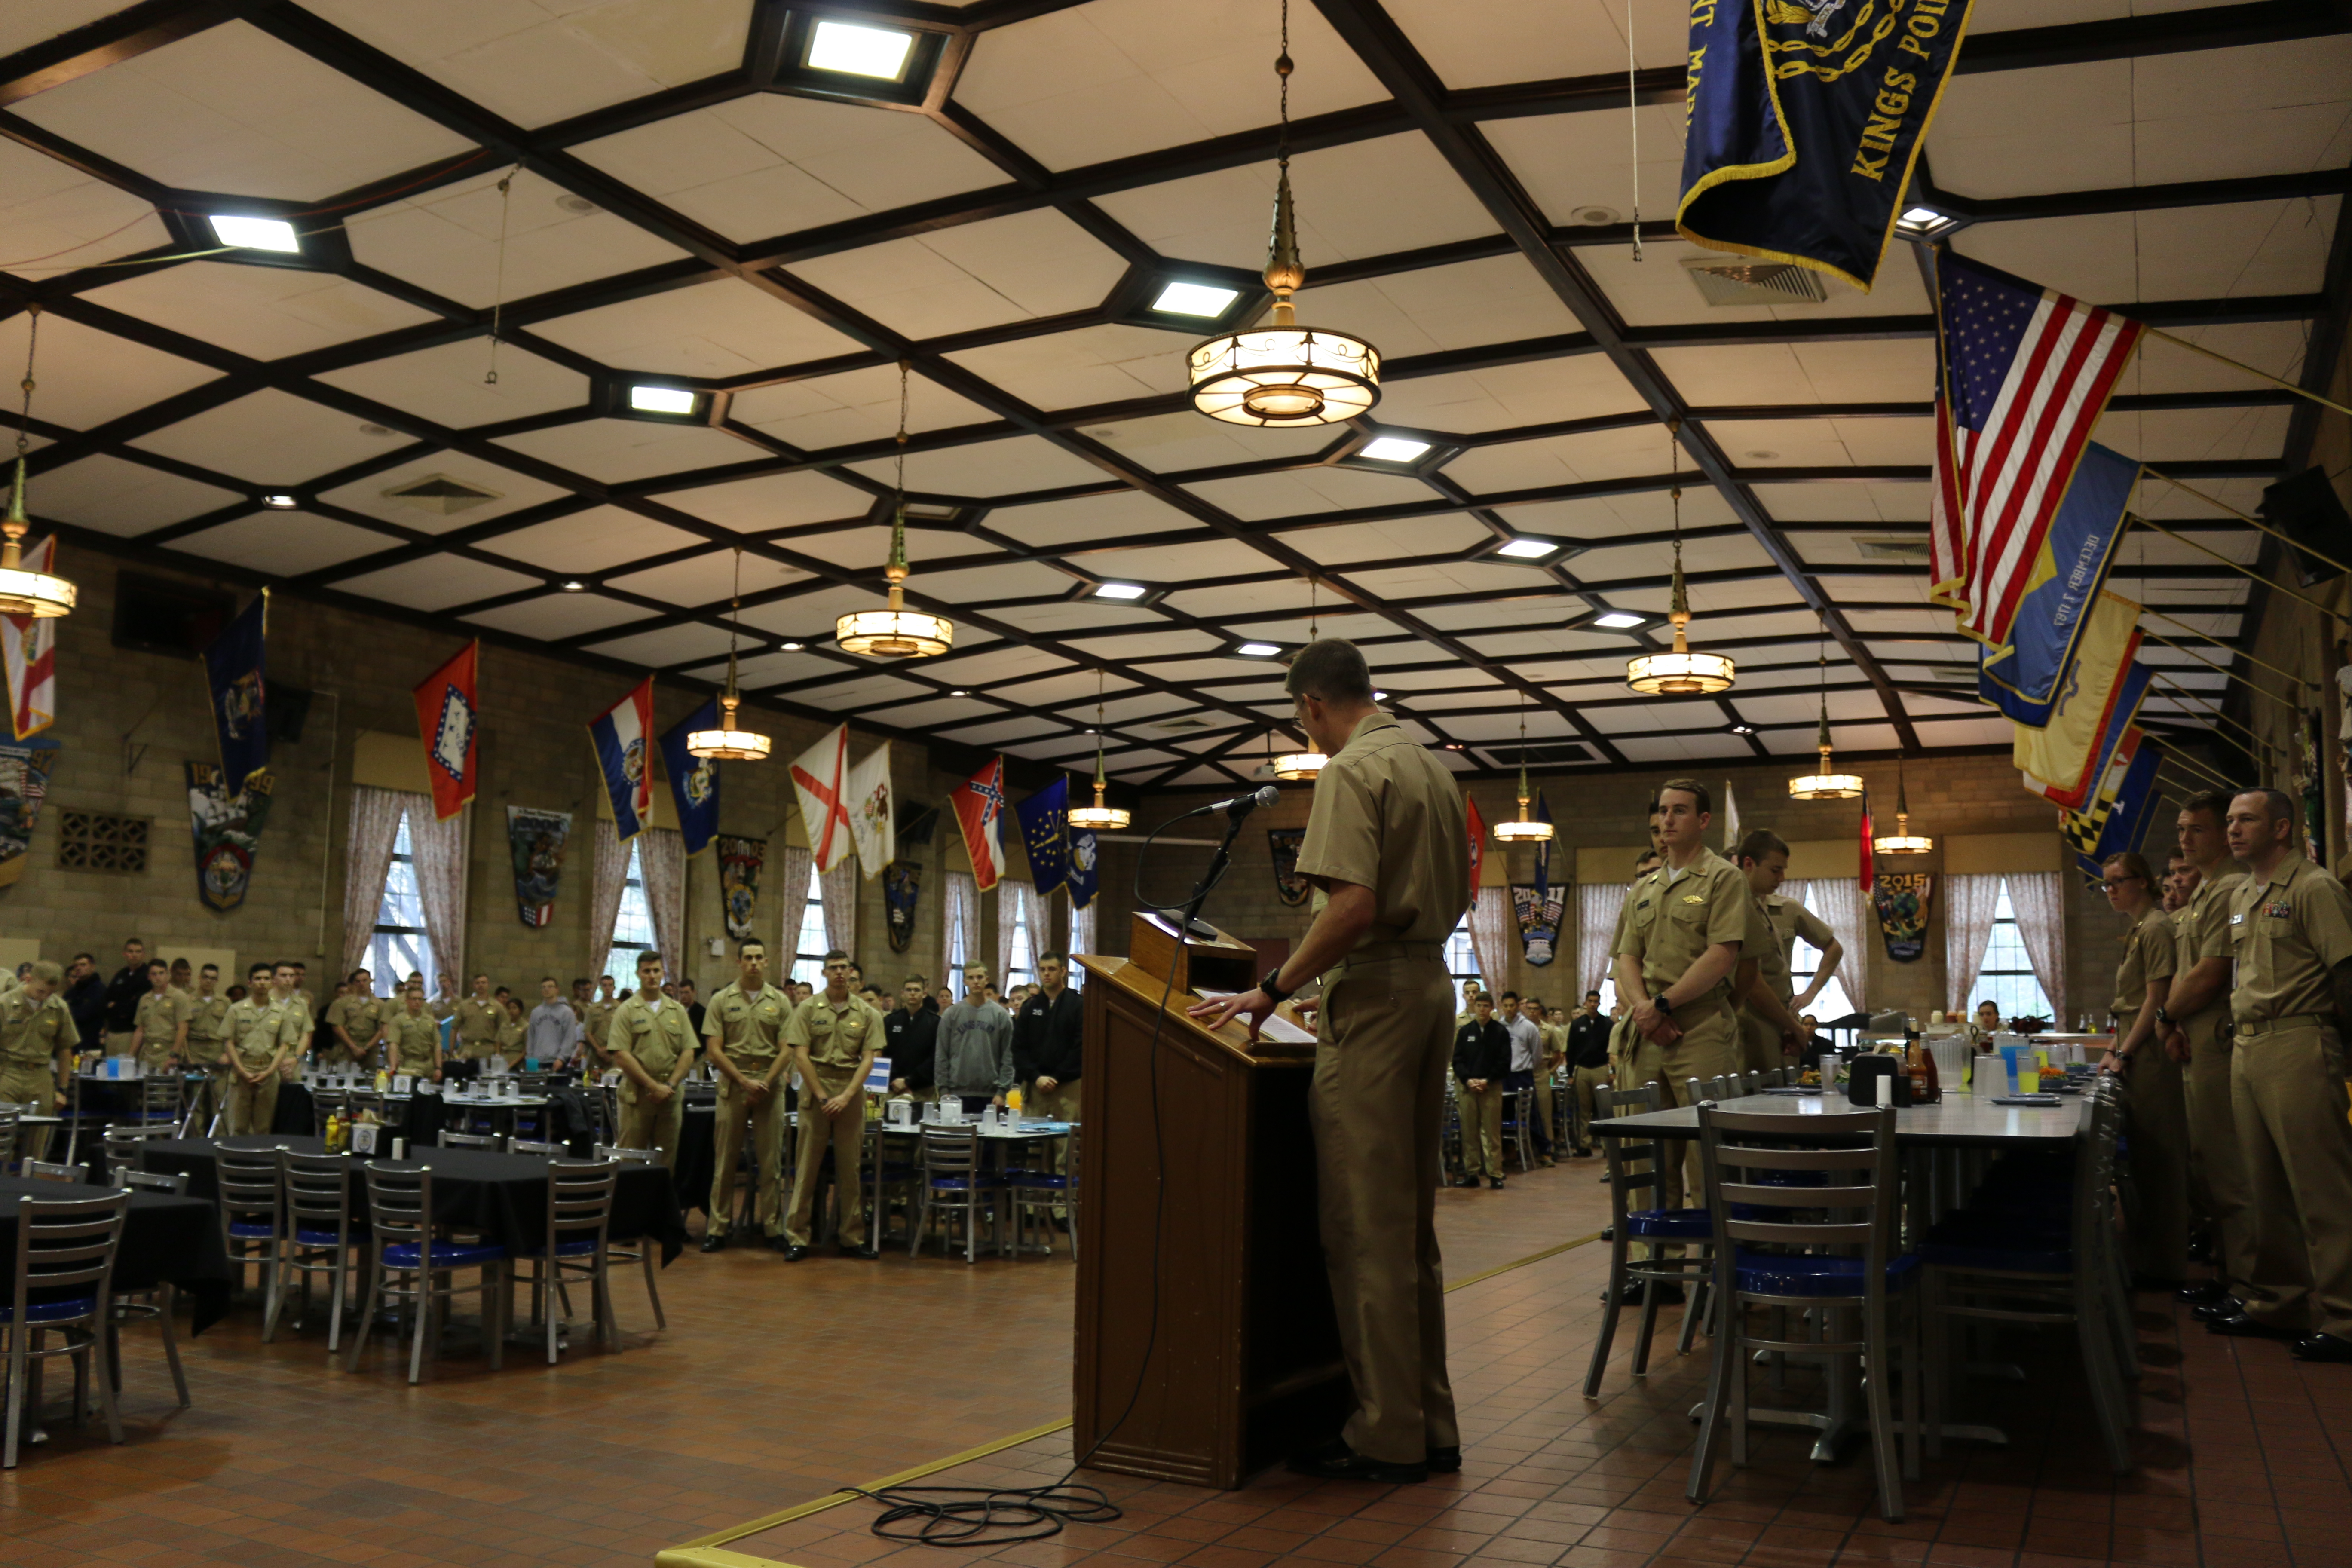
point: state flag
(622, 737)
(445, 724)
(979, 804)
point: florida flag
(31, 645)
(821, 778)
(979, 804)
(623, 737)
(444, 723)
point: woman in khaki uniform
(509, 1041)
(2156, 1110)
(37, 1039)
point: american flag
(2026, 372)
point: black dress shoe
(1335, 1461)
(714, 1244)
(794, 1253)
(1447, 1461)
(2319, 1347)
(2214, 1311)
(861, 1250)
(2241, 1327)
(2201, 1295)
(1496, 1183)
(2154, 1282)
(1580, 1153)
(1465, 1181)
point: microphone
(1240, 805)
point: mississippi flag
(2025, 374)
(820, 776)
(444, 723)
(30, 643)
(979, 804)
(623, 737)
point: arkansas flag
(1477, 844)
(1869, 864)
(444, 723)
(821, 778)
(623, 737)
(31, 645)
(979, 804)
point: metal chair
(326, 1103)
(65, 1256)
(1040, 1192)
(123, 1141)
(471, 1141)
(8, 1115)
(54, 1170)
(1639, 1165)
(1750, 1082)
(532, 1146)
(639, 1251)
(955, 1184)
(253, 1215)
(163, 1100)
(159, 1303)
(886, 1178)
(1841, 1253)
(578, 1215)
(1518, 1113)
(318, 1195)
(399, 1220)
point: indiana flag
(1477, 841)
(1045, 833)
(623, 737)
(979, 804)
(821, 778)
(445, 724)
(873, 813)
(30, 643)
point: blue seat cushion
(51, 1311)
(1987, 1253)
(579, 1249)
(309, 1237)
(246, 1230)
(1772, 1274)
(1678, 1225)
(959, 1183)
(445, 1254)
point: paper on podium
(1276, 1027)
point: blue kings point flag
(693, 781)
(1083, 877)
(232, 667)
(1045, 833)
(2024, 679)
(1804, 119)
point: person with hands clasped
(262, 1030)
(743, 1031)
(2155, 1114)
(653, 1047)
(37, 1041)
(834, 1038)
(411, 1038)
(1481, 1062)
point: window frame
(808, 968)
(390, 957)
(625, 979)
(2005, 922)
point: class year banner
(25, 769)
(740, 863)
(1902, 900)
(535, 840)
(226, 826)
(1539, 912)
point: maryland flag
(2117, 818)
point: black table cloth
(501, 1197)
(294, 1113)
(167, 1238)
(698, 1137)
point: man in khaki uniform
(411, 1038)
(1388, 844)
(596, 1020)
(2156, 1115)
(834, 1038)
(651, 1043)
(743, 1031)
(37, 1041)
(354, 1019)
(158, 1030)
(207, 1049)
(2290, 935)
(1768, 1028)
(2196, 1020)
(262, 1029)
(479, 1018)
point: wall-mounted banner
(739, 860)
(1540, 913)
(227, 830)
(536, 838)
(902, 883)
(1902, 899)
(1283, 843)
(25, 769)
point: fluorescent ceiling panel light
(256, 233)
(279, 503)
(1196, 299)
(845, 46)
(1393, 449)
(1120, 591)
(575, 586)
(1618, 620)
(1528, 549)
(1257, 650)
(661, 400)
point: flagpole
(2249, 522)
(2240, 566)
(2241, 653)
(2183, 693)
(2225, 670)
(2210, 774)
(2240, 364)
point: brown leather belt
(2272, 1026)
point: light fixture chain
(1282, 68)
(1633, 120)
(498, 287)
(32, 342)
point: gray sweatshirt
(975, 1053)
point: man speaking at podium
(1388, 844)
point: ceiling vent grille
(1910, 551)
(440, 493)
(1538, 755)
(1737, 281)
(1190, 722)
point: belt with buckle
(2273, 1025)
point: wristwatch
(1272, 986)
(1662, 1004)
(2161, 1016)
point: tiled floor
(775, 1385)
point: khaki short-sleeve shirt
(359, 1016)
(835, 1036)
(657, 1038)
(32, 1033)
(415, 1038)
(2204, 933)
(2148, 955)
(479, 1024)
(160, 1015)
(1670, 925)
(208, 1024)
(1387, 816)
(1788, 920)
(2287, 931)
(750, 1029)
(258, 1029)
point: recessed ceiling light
(575, 586)
(1762, 454)
(376, 430)
(1528, 549)
(1743, 729)
(1923, 221)
(1257, 650)
(1393, 449)
(878, 52)
(958, 693)
(575, 203)
(258, 233)
(1618, 620)
(1380, 696)
(1120, 591)
(280, 503)
(788, 647)
(661, 400)
(1196, 299)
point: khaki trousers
(1709, 1047)
(2288, 1092)
(1544, 1111)
(1377, 1107)
(1060, 1103)
(118, 1044)
(1760, 1043)
(646, 1125)
(154, 1054)
(251, 1105)
(845, 1135)
(1482, 1127)
(765, 1122)
(2217, 1173)
(2156, 1119)
(1585, 1080)
(33, 1085)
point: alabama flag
(31, 645)
(820, 776)
(444, 723)
(979, 804)
(623, 737)
(1477, 842)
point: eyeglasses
(2119, 881)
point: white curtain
(609, 880)
(1012, 901)
(2039, 899)
(1490, 935)
(1598, 905)
(1044, 925)
(1082, 940)
(792, 894)
(960, 935)
(839, 886)
(661, 866)
(1838, 901)
(375, 828)
(440, 852)
(1968, 905)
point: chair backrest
(160, 1092)
(533, 1146)
(400, 1202)
(153, 1181)
(66, 1244)
(7, 1134)
(628, 1156)
(317, 1190)
(326, 1103)
(366, 1103)
(246, 1182)
(467, 1140)
(580, 1196)
(51, 1171)
(1774, 1078)
(1852, 1155)
(1608, 1103)
(1752, 1081)
(951, 1151)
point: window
(2007, 978)
(398, 946)
(962, 916)
(1461, 955)
(1021, 969)
(1805, 959)
(809, 946)
(633, 929)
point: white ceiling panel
(1521, 41)
(1086, 367)
(935, 714)
(1011, 467)
(284, 544)
(1890, 501)
(595, 540)
(449, 384)
(123, 498)
(87, 377)
(668, 646)
(1258, 496)
(718, 329)
(767, 670)
(1432, 309)
(1881, 370)
(618, 450)
(29, 22)
(268, 437)
(1658, 291)
(868, 547)
(770, 501)
(709, 580)
(555, 615)
(1564, 460)
(2186, 253)
(1175, 443)
(264, 312)
(862, 691)
(1583, 387)
(446, 239)
(983, 586)
(857, 406)
(434, 583)
(58, 219)
(511, 492)
(997, 664)
(1355, 541)
(1825, 443)
(978, 275)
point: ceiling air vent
(1190, 722)
(439, 492)
(1736, 280)
(1538, 755)
(1910, 551)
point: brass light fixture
(1901, 841)
(1828, 784)
(1098, 815)
(1291, 767)
(22, 593)
(1524, 830)
(727, 743)
(895, 631)
(1680, 673)
(1284, 373)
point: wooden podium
(1206, 1343)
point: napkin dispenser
(1878, 1080)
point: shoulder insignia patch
(1694, 898)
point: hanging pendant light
(1901, 841)
(1098, 815)
(895, 631)
(1291, 767)
(1828, 784)
(1681, 673)
(1523, 831)
(1284, 373)
(22, 593)
(728, 744)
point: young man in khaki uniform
(2155, 1116)
(743, 1031)
(1388, 844)
(596, 1021)
(37, 1041)
(411, 1038)
(353, 1021)
(158, 1030)
(1769, 1032)
(262, 1029)
(207, 1049)
(832, 1038)
(2290, 935)
(479, 1018)
(649, 1041)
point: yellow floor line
(707, 1551)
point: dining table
(997, 1140)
